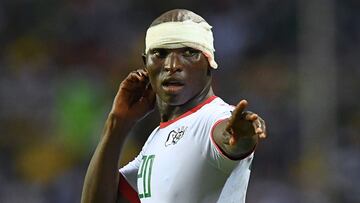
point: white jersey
(180, 161)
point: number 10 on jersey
(144, 173)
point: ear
(143, 56)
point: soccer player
(202, 145)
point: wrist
(119, 119)
(117, 124)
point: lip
(173, 89)
(172, 85)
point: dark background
(296, 62)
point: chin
(174, 100)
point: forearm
(243, 145)
(101, 180)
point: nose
(173, 62)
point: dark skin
(176, 80)
(179, 79)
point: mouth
(172, 85)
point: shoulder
(218, 107)
(219, 103)
(211, 113)
(150, 138)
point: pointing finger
(237, 113)
(240, 106)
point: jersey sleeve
(130, 170)
(211, 151)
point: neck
(169, 112)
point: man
(201, 140)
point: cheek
(153, 78)
(202, 66)
(199, 78)
(152, 61)
(152, 67)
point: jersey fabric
(180, 162)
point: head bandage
(172, 35)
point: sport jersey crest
(175, 135)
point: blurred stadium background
(297, 63)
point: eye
(191, 52)
(159, 53)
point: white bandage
(172, 35)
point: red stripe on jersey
(193, 110)
(126, 191)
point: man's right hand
(135, 97)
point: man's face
(177, 75)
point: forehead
(168, 49)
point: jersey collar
(191, 111)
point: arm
(134, 100)
(238, 135)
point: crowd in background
(61, 63)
